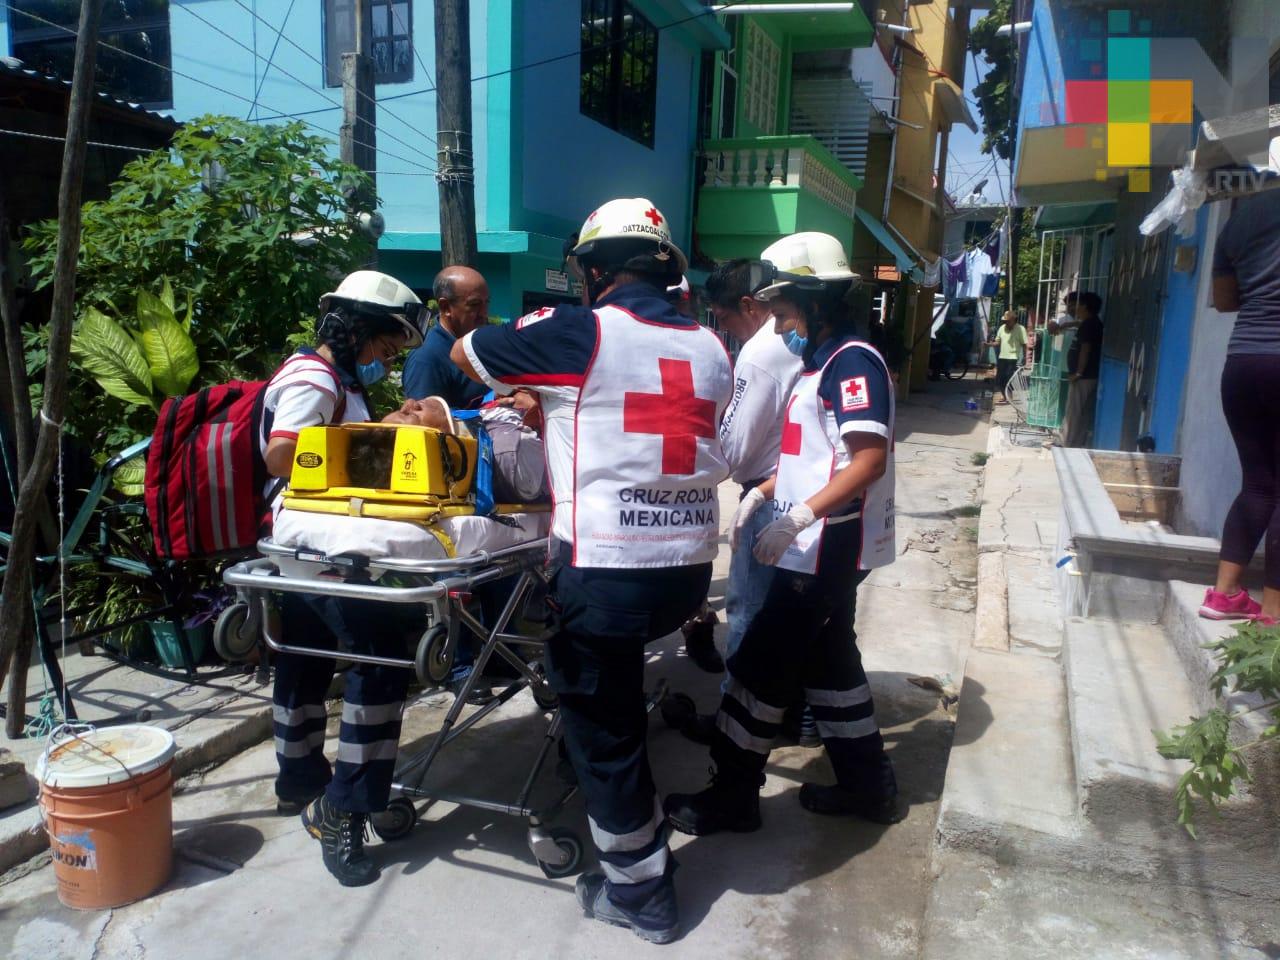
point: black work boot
(837, 801)
(729, 803)
(294, 804)
(341, 836)
(592, 891)
(700, 643)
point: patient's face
(418, 413)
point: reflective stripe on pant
(373, 700)
(802, 641)
(596, 665)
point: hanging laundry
(954, 276)
(932, 273)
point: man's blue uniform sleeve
(855, 388)
(554, 352)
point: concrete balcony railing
(780, 163)
(758, 190)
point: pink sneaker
(1238, 606)
(1263, 620)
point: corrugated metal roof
(13, 67)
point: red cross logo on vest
(676, 414)
(653, 214)
(790, 434)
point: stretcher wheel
(396, 821)
(545, 698)
(434, 659)
(570, 851)
(231, 639)
(677, 710)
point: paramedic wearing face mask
(834, 490)
(750, 432)
(363, 325)
(632, 394)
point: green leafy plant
(249, 221)
(142, 362)
(995, 91)
(1248, 662)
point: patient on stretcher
(519, 464)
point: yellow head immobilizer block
(383, 462)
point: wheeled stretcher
(408, 563)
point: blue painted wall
(1113, 377)
(1180, 310)
(571, 163)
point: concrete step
(1125, 681)
(1189, 633)
(1010, 789)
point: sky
(967, 165)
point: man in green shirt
(1011, 338)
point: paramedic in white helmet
(363, 325)
(750, 433)
(631, 394)
(833, 496)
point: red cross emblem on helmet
(653, 214)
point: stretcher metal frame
(449, 586)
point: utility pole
(455, 170)
(357, 136)
(1013, 134)
(15, 596)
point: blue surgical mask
(370, 373)
(794, 342)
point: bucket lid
(100, 757)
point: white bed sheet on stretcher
(381, 539)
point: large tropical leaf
(166, 294)
(169, 350)
(107, 351)
(129, 476)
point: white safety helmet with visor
(625, 234)
(806, 261)
(380, 295)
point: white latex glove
(748, 505)
(777, 536)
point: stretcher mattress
(397, 539)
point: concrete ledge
(1123, 682)
(991, 616)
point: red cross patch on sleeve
(854, 394)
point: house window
(391, 45)
(760, 87)
(138, 27)
(619, 68)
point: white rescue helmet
(621, 231)
(806, 261)
(369, 291)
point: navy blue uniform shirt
(855, 388)
(429, 372)
(556, 351)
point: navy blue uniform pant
(802, 642)
(595, 663)
(373, 700)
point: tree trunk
(15, 636)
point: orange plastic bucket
(107, 801)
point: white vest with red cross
(812, 452)
(647, 457)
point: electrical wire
(270, 60)
(92, 143)
(205, 83)
(279, 32)
(298, 80)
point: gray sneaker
(593, 896)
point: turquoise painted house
(574, 102)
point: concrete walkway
(463, 884)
